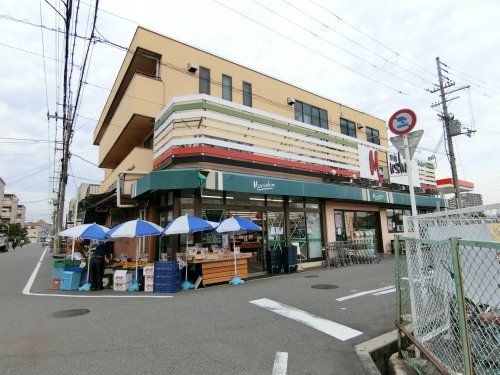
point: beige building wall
(148, 95)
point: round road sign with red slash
(403, 121)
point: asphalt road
(209, 331)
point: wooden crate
(223, 271)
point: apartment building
(21, 214)
(9, 208)
(187, 132)
(468, 200)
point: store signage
(266, 186)
(402, 122)
(368, 163)
(378, 196)
(398, 170)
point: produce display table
(222, 270)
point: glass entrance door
(275, 231)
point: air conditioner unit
(400, 228)
(192, 68)
(290, 101)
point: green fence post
(462, 312)
(398, 289)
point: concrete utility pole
(449, 139)
(63, 179)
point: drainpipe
(118, 184)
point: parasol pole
(186, 259)
(234, 252)
(137, 259)
(74, 225)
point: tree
(17, 231)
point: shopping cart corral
(346, 253)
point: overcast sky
(323, 54)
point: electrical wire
(88, 161)
(320, 54)
(397, 54)
(385, 59)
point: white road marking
(280, 363)
(31, 280)
(363, 293)
(333, 329)
(385, 292)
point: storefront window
(296, 202)
(275, 201)
(298, 231)
(183, 237)
(314, 234)
(244, 199)
(212, 238)
(275, 227)
(349, 224)
(312, 203)
(395, 219)
(187, 196)
(211, 197)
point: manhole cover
(69, 313)
(324, 286)
(311, 276)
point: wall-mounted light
(360, 126)
(192, 68)
(290, 101)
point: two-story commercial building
(187, 132)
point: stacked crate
(167, 277)
(289, 258)
(58, 269)
(273, 261)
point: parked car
(3, 243)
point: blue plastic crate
(167, 289)
(70, 280)
(169, 265)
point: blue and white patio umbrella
(132, 229)
(87, 232)
(237, 225)
(135, 228)
(185, 225)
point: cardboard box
(123, 287)
(122, 277)
(149, 279)
(148, 287)
(148, 271)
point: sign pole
(409, 169)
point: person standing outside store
(97, 263)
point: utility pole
(67, 132)
(63, 178)
(448, 120)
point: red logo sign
(374, 166)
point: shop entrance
(351, 225)
(250, 242)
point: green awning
(246, 183)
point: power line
(385, 59)
(320, 54)
(398, 55)
(32, 53)
(88, 161)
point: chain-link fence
(448, 291)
